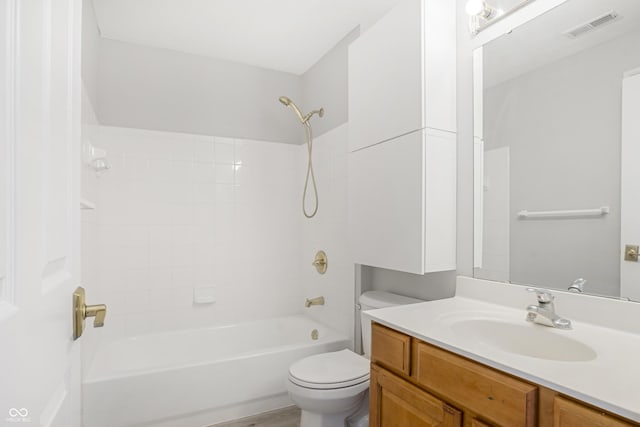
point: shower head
(286, 101)
(304, 119)
(289, 103)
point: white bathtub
(199, 377)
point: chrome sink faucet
(544, 312)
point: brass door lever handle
(81, 311)
(98, 312)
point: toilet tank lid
(381, 299)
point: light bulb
(475, 7)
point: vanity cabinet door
(390, 349)
(567, 413)
(498, 397)
(397, 403)
(477, 423)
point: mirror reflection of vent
(592, 25)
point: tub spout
(314, 301)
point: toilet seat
(338, 369)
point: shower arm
(306, 118)
(287, 102)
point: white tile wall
(328, 231)
(180, 211)
(89, 227)
(177, 212)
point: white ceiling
(541, 41)
(284, 35)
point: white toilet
(329, 387)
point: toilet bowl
(329, 387)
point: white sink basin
(526, 339)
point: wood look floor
(286, 417)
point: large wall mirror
(557, 150)
(6, 137)
(3, 219)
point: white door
(630, 201)
(39, 197)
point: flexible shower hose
(309, 172)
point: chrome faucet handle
(577, 285)
(543, 296)
(544, 313)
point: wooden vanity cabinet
(567, 413)
(391, 350)
(396, 402)
(415, 384)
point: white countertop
(610, 381)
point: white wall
(90, 51)
(149, 88)
(160, 89)
(325, 85)
(496, 217)
(179, 211)
(562, 124)
(328, 231)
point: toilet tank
(372, 300)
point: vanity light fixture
(480, 12)
(480, 8)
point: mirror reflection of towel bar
(577, 213)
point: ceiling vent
(592, 25)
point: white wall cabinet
(402, 203)
(440, 186)
(386, 203)
(402, 73)
(402, 141)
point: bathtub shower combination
(204, 375)
(200, 377)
